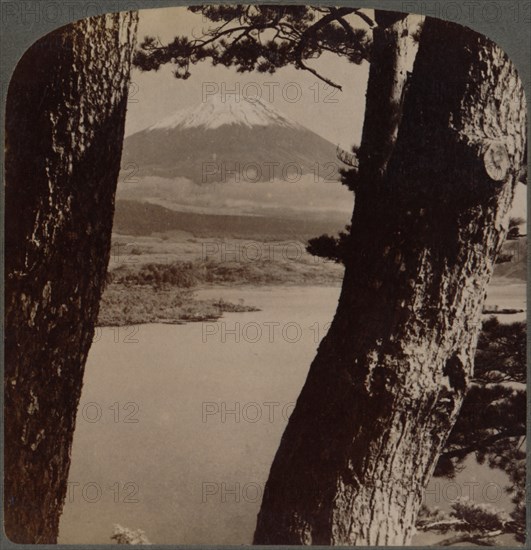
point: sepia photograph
(265, 277)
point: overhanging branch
(483, 445)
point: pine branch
(348, 29)
(483, 445)
(365, 18)
(301, 65)
(481, 539)
(310, 32)
(236, 40)
(441, 525)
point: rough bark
(392, 57)
(389, 377)
(64, 129)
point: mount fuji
(233, 140)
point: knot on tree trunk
(493, 155)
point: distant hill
(210, 142)
(143, 219)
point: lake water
(510, 295)
(178, 424)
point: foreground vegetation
(492, 428)
(125, 305)
(153, 280)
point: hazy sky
(336, 115)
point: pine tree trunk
(65, 122)
(389, 377)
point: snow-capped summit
(220, 110)
(247, 140)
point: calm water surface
(178, 424)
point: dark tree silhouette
(331, 247)
(65, 121)
(388, 381)
(262, 38)
(437, 166)
(492, 427)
